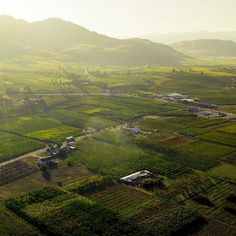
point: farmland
(121, 197)
(11, 224)
(121, 127)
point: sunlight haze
(122, 18)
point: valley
(121, 126)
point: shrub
(44, 167)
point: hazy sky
(130, 17)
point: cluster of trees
(89, 185)
(33, 197)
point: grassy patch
(55, 134)
(13, 145)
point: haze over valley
(106, 129)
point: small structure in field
(89, 130)
(130, 179)
(53, 150)
(135, 130)
(211, 114)
(70, 139)
(207, 105)
(71, 146)
(70, 143)
(193, 109)
(46, 160)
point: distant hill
(207, 47)
(79, 44)
(170, 38)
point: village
(57, 150)
(202, 109)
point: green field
(207, 149)
(220, 137)
(13, 146)
(121, 197)
(195, 156)
(39, 128)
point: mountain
(207, 47)
(78, 44)
(170, 38)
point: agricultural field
(81, 119)
(121, 197)
(14, 145)
(229, 128)
(193, 156)
(14, 171)
(39, 128)
(25, 183)
(220, 137)
(217, 198)
(207, 149)
(163, 125)
(11, 224)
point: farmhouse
(193, 109)
(211, 114)
(89, 130)
(70, 139)
(136, 176)
(135, 130)
(46, 160)
(207, 105)
(53, 151)
(176, 96)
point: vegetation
(82, 45)
(121, 127)
(11, 224)
(207, 47)
(89, 185)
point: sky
(121, 18)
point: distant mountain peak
(207, 47)
(80, 44)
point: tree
(44, 168)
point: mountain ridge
(207, 47)
(171, 38)
(57, 35)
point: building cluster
(201, 109)
(56, 150)
(180, 98)
(134, 130)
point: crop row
(14, 171)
